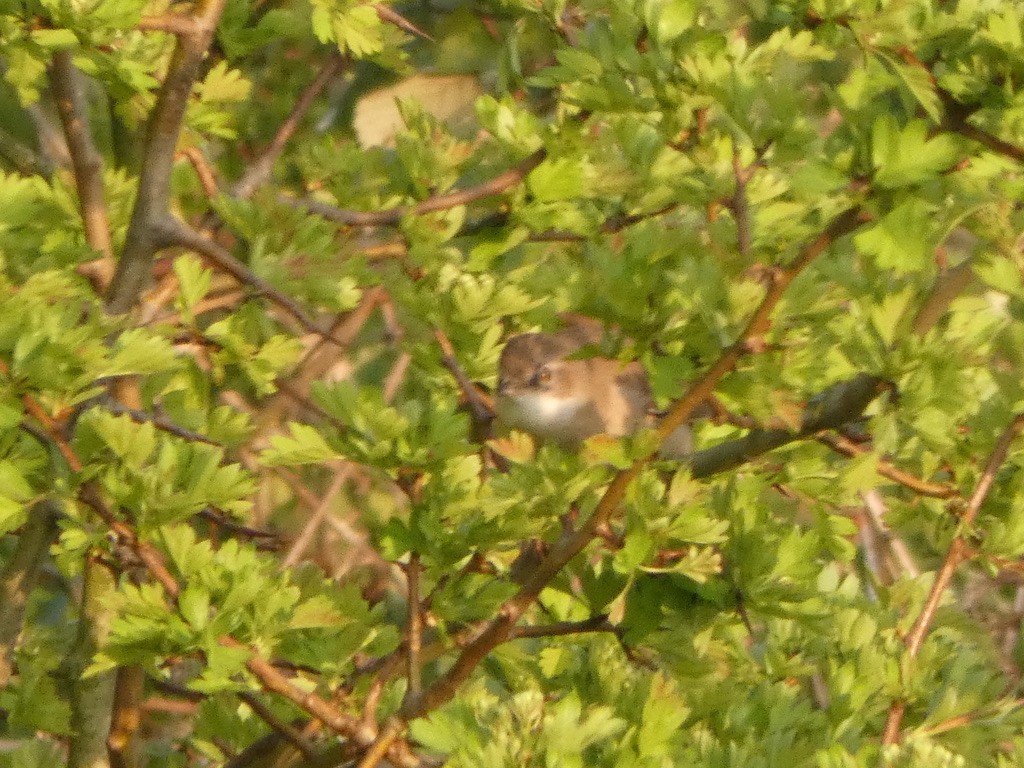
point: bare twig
(168, 230)
(414, 637)
(380, 747)
(171, 23)
(258, 173)
(319, 359)
(594, 624)
(321, 511)
(287, 731)
(847, 447)
(386, 13)
(876, 511)
(740, 203)
(480, 408)
(501, 183)
(207, 175)
(958, 551)
(160, 422)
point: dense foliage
(254, 507)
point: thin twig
(289, 733)
(380, 747)
(958, 551)
(414, 639)
(594, 624)
(385, 13)
(160, 422)
(259, 172)
(876, 511)
(171, 23)
(207, 175)
(322, 509)
(499, 184)
(740, 203)
(886, 469)
(480, 408)
(171, 231)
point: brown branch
(414, 635)
(386, 14)
(171, 23)
(288, 733)
(571, 543)
(92, 698)
(886, 469)
(594, 624)
(876, 513)
(207, 175)
(19, 578)
(127, 717)
(319, 359)
(499, 184)
(759, 323)
(740, 204)
(480, 408)
(955, 118)
(169, 230)
(69, 95)
(320, 511)
(153, 198)
(380, 747)
(259, 172)
(958, 551)
(160, 422)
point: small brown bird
(568, 400)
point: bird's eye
(543, 375)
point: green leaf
(557, 179)
(194, 604)
(907, 157)
(304, 445)
(902, 239)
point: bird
(546, 391)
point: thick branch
(151, 204)
(19, 577)
(92, 701)
(837, 406)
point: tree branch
(92, 699)
(168, 230)
(958, 551)
(501, 183)
(259, 172)
(69, 95)
(19, 577)
(152, 201)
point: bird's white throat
(540, 413)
